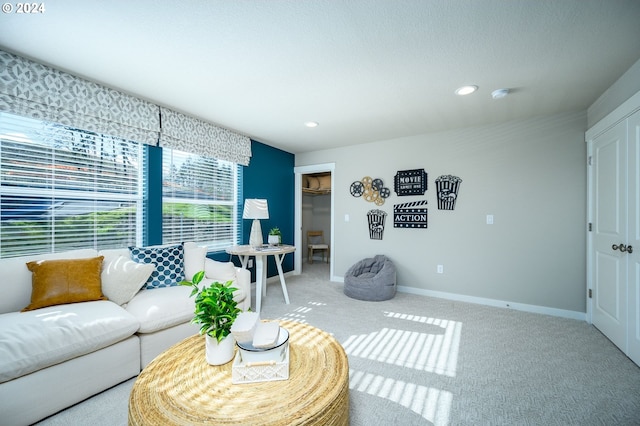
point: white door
(634, 238)
(609, 267)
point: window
(199, 200)
(63, 188)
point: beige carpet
(418, 361)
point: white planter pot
(274, 239)
(219, 353)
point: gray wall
(529, 174)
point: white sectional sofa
(55, 356)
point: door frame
(590, 216)
(299, 171)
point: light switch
(346, 217)
(489, 219)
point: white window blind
(200, 198)
(63, 188)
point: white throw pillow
(220, 271)
(122, 278)
(193, 259)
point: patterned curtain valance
(38, 91)
(189, 134)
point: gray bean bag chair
(371, 279)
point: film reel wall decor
(371, 190)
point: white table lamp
(255, 209)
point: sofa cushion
(57, 282)
(122, 278)
(220, 271)
(168, 262)
(16, 283)
(112, 254)
(37, 339)
(238, 295)
(194, 257)
(162, 308)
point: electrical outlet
(250, 263)
(441, 269)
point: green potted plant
(215, 311)
(275, 236)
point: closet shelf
(316, 184)
(316, 191)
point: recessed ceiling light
(311, 124)
(466, 90)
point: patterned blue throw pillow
(169, 263)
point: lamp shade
(255, 208)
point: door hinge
(589, 160)
(590, 227)
(590, 293)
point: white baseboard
(497, 303)
(489, 302)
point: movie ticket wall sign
(410, 215)
(410, 182)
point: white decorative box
(262, 371)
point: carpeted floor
(417, 361)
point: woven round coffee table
(180, 388)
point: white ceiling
(366, 70)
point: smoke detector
(499, 93)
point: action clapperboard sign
(410, 182)
(410, 215)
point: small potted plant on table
(215, 311)
(275, 236)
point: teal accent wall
(153, 183)
(270, 176)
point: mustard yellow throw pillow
(56, 282)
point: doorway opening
(316, 222)
(314, 212)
